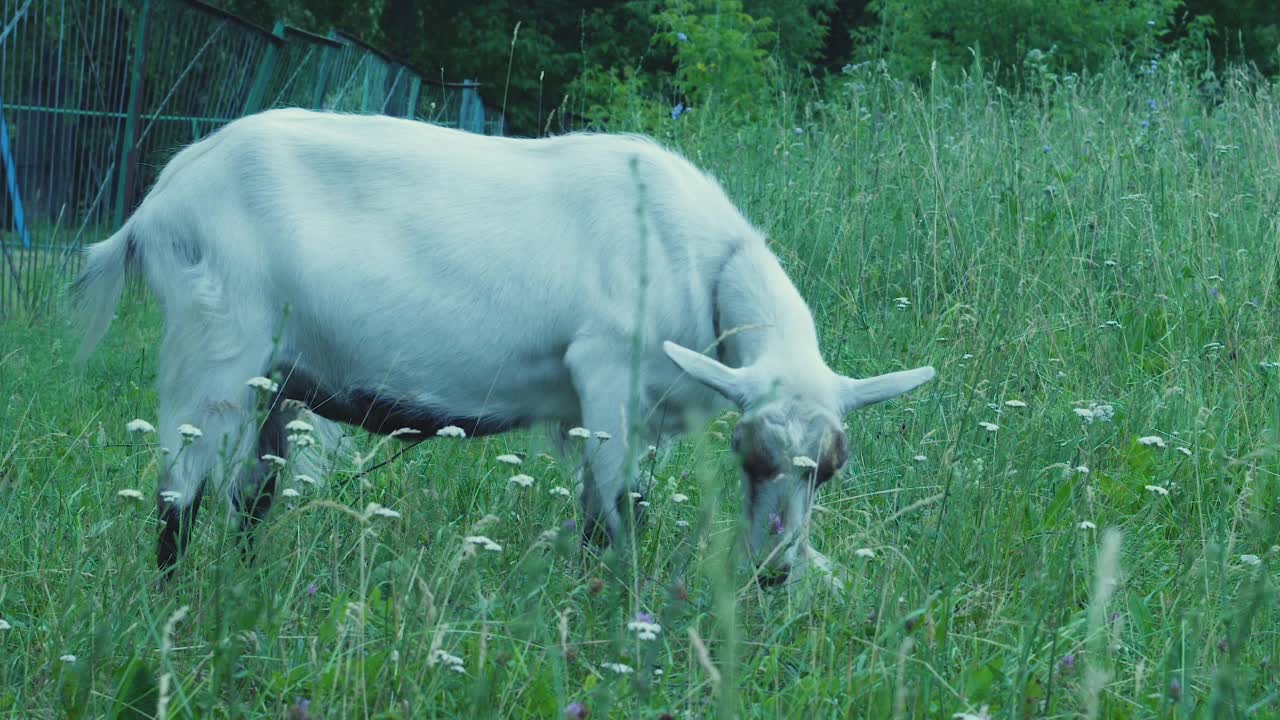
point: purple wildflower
(1068, 662)
(300, 710)
(1146, 124)
(678, 110)
(570, 525)
(775, 524)
(575, 711)
(1046, 149)
(312, 590)
(1151, 104)
(643, 617)
(682, 37)
(1175, 689)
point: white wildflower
(302, 440)
(1184, 451)
(802, 461)
(376, 509)
(1251, 560)
(483, 542)
(171, 496)
(1151, 441)
(68, 658)
(189, 432)
(1086, 525)
(902, 303)
(982, 714)
(1096, 412)
(643, 503)
(290, 493)
(140, 426)
(1015, 403)
(989, 426)
(1082, 469)
(1158, 489)
(679, 498)
(1111, 323)
(561, 491)
(867, 553)
(305, 479)
(682, 523)
(635, 495)
(274, 460)
(405, 431)
(618, 668)
(440, 657)
(920, 458)
(263, 384)
(451, 431)
(644, 629)
(509, 459)
(129, 494)
(602, 435)
(522, 480)
(579, 432)
(4, 625)
(967, 356)
(298, 426)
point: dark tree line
(559, 40)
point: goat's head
(790, 440)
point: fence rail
(96, 95)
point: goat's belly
(372, 387)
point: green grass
(1054, 250)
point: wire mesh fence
(97, 95)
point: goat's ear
(733, 383)
(856, 394)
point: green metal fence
(96, 95)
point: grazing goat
(396, 274)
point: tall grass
(1109, 240)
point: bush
(913, 34)
(718, 55)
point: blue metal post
(11, 170)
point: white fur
(481, 275)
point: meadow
(1079, 517)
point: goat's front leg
(602, 381)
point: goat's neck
(767, 323)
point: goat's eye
(758, 465)
(833, 460)
(826, 472)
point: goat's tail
(97, 291)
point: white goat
(396, 274)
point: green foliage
(718, 57)
(1242, 29)
(913, 34)
(801, 28)
(719, 52)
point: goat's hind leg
(256, 489)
